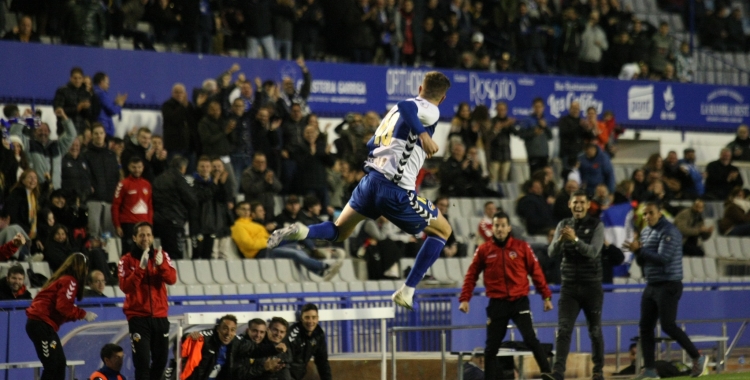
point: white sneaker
(294, 232)
(332, 270)
(403, 300)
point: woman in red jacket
(52, 307)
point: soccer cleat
(332, 269)
(647, 374)
(700, 366)
(401, 299)
(294, 232)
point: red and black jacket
(145, 289)
(55, 304)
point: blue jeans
(253, 47)
(284, 49)
(299, 258)
(240, 162)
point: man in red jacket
(132, 202)
(506, 263)
(144, 274)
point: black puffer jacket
(75, 176)
(173, 197)
(252, 356)
(211, 216)
(214, 139)
(581, 260)
(84, 23)
(306, 346)
(68, 97)
(132, 150)
(180, 125)
(104, 171)
(258, 18)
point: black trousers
(659, 303)
(48, 349)
(574, 298)
(203, 248)
(127, 237)
(499, 313)
(149, 338)
(172, 239)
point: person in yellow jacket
(112, 355)
(251, 238)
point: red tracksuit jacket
(132, 202)
(55, 305)
(505, 271)
(145, 290)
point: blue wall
(34, 71)
(15, 345)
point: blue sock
(427, 256)
(323, 231)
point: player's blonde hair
(435, 85)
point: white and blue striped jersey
(396, 150)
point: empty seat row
(258, 271)
(727, 247)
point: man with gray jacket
(579, 240)
(535, 134)
(659, 252)
(593, 45)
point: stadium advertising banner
(36, 70)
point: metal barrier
(720, 362)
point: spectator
(429, 42)
(144, 275)
(460, 175)
(309, 342)
(141, 148)
(172, 200)
(574, 132)
(159, 158)
(96, 284)
(740, 146)
(662, 49)
(688, 162)
(211, 219)
(579, 240)
(409, 46)
(570, 41)
(8, 232)
(530, 30)
(180, 124)
(310, 21)
(166, 22)
(105, 175)
(736, 218)
(291, 212)
(640, 186)
(736, 38)
(83, 23)
(72, 216)
(312, 160)
(382, 245)
(600, 201)
(550, 265)
(560, 208)
(24, 32)
(534, 209)
(108, 107)
(283, 27)
(360, 22)
(265, 136)
(593, 45)
(260, 183)
(75, 178)
(660, 255)
(45, 155)
(595, 168)
(242, 147)
(535, 134)
(216, 134)
(132, 202)
(23, 203)
(53, 306)
(693, 229)
(12, 287)
(311, 209)
(508, 290)
(641, 38)
(685, 65)
(293, 136)
(112, 356)
(291, 95)
(258, 20)
(57, 247)
(677, 178)
(722, 176)
(452, 246)
(485, 225)
(251, 238)
(620, 52)
(497, 143)
(448, 55)
(217, 356)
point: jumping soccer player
(397, 152)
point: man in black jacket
(75, 100)
(721, 177)
(534, 209)
(180, 125)
(216, 134)
(143, 149)
(217, 356)
(573, 134)
(579, 240)
(260, 183)
(265, 359)
(12, 287)
(172, 199)
(308, 340)
(258, 18)
(104, 171)
(211, 219)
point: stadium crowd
(571, 37)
